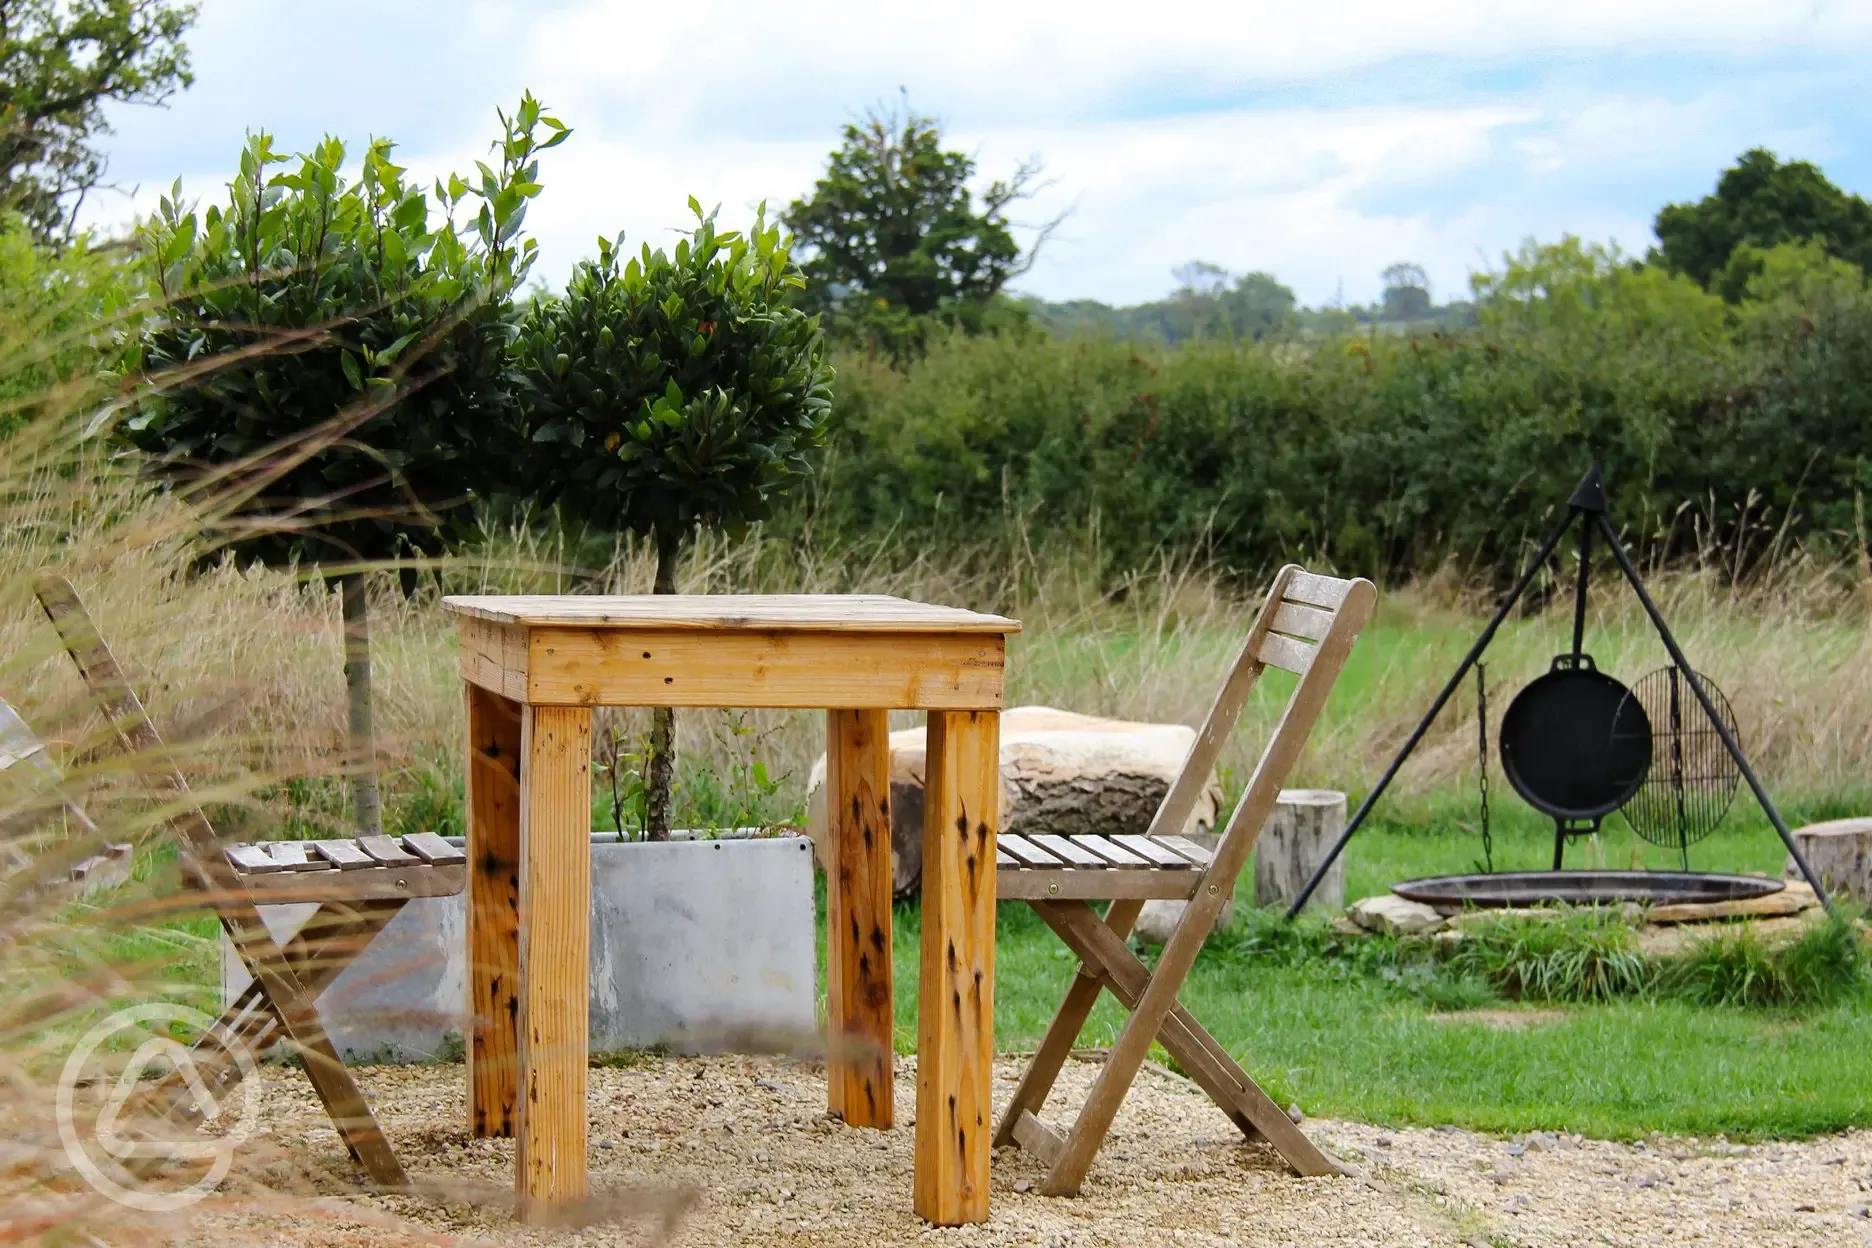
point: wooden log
(858, 917)
(555, 958)
(955, 1008)
(1840, 852)
(493, 913)
(1304, 826)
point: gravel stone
(1169, 1174)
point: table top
(869, 613)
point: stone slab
(1791, 900)
(1389, 913)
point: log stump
(1840, 852)
(1304, 826)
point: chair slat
(1188, 848)
(385, 850)
(292, 856)
(1286, 653)
(1024, 850)
(1302, 621)
(1105, 884)
(1065, 847)
(1147, 847)
(1110, 851)
(1315, 590)
(252, 860)
(432, 848)
(345, 855)
(1005, 861)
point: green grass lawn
(1345, 1043)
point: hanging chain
(1481, 698)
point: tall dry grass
(242, 671)
(1791, 645)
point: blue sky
(1319, 142)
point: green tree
(675, 390)
(1259, 306)
(1760, 202)
(60, 317)
(61, 62)
(897, 243)
(332, 363)
(1211, 302)
(1406, 293)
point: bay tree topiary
(670, 391)
(330, 363)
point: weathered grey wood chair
(1307, 626)
(360, 886)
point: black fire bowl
(1583, 888)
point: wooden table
(536, 666)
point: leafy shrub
(1736, 968)
(1392, 454)
(674, 390)
(1585, 955)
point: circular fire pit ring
(1583, 888)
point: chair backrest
(32, 798)
(1306, 626)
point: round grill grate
(1692, 779)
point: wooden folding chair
(1307, 626)
(360, 886)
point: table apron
(686, 667)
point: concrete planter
(697, 945)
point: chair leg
(1189, 1044)
(1056, 1046)
(324, 946)
(327, 943)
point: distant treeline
(1739, 424)
(1211, 303)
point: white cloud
(1051, 57)
(1173, 135)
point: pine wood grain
(555, 957)
(492, 655)
(493, 913)
(858, 917)
(763, 668)
(955, 1014)
(857, 612)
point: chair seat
(1107, 868)
(369, 868)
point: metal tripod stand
(1588, 507)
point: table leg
(493, 810)
(858, 917)
(955, 1009)
(555, 956)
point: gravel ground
(736, 1150)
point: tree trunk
(660, 767)
(1305, 824)
(367, 807)
(1840, 852)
